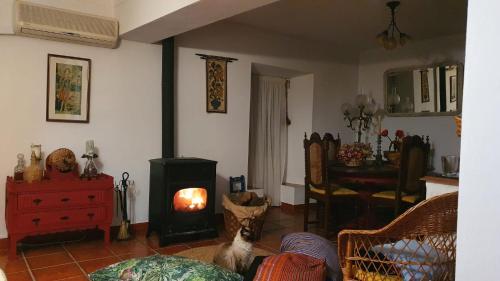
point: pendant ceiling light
(392, 37)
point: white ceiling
(353, 24)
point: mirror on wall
(425, 90)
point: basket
(232, 224)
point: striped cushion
(314, 246)
(391, 195)
(288, 266)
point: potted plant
(394, 152)
(354, 154)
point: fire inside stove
(190, 199)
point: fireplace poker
(123, 233)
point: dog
(237, 255)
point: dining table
(367, 180)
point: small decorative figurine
(34, 172)
(90, 170)
(19, 169)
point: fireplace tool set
(121, 190)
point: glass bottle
(19, 169)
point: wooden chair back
(315, 161)
(413, 165)
(333, 146)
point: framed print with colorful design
(68, 89)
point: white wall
(374, 63)
(224, 137)
(478, 257)
(125, 109)
(300, 112)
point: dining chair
(317, 185)
(413, 166)
(333, 146)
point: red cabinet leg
(13, 247)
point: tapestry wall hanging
(68, 89)
(424, 86)
(216, 68)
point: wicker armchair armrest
(433, 221)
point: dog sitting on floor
(237, 256)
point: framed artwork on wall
(424, 86)
(68, 89)
(453, 88)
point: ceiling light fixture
(392, 37)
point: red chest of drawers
(57, 205)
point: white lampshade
(354, 111)
(370, 107)
(362, 100)
(346, 107)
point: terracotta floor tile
(39, 251)
(173, 249)
(202, 243)
(49, 260)
(138, 255)
(88, 251)
(126, 247)
(12, 265)
(19, 276)
(93, 265)
(152, 241)
(57, 272)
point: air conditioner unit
(35, 20)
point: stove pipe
(167, 91)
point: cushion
(362, 275)
(418, 260)
(288, 266)
(314, 246)
(390, 194)
(337, 191)
(164, 268)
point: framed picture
(68, 89)
(453, 88)
(424, 86)
(237, 184)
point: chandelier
(392, 37)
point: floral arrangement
(398, 139)
(355, 152)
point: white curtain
(268, 136)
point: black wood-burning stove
(182, 199)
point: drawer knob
(64, 218)
(90, 215)
(37, 201)
(65, 200)
(91, 197)
(36, 221)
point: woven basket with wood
(244, 209)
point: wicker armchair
(418, 245)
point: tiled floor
(72, 261)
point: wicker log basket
(244, 208)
